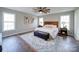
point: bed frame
(51, 23)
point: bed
(40, 44)
(50, 27)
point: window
(65, 21)
(8, 21)
(41, 21)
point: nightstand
(63, 32)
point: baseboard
(15, 34)
(76, 37)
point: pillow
(50, 26)
(54, 26)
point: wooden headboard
(51, 23)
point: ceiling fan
(44, 10)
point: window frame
(68, 22)
(39, 21)
(3, 21)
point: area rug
(38, 43)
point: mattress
(52, 31)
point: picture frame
(28, 19)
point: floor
(16, 44)
(0, 38)
(67, 44)
(0, 42)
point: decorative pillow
(54, 26)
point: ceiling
(53, 10)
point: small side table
(63, 32)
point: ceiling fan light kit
(43, 10)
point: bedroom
(32, 30)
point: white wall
(19, 22)
(76, 24)
(56, 17)
(0, 38)
(0, 22)
(0, 28)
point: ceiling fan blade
(39, 7)
(44, 7)
(48, 9)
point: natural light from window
(41, 21)
(65, 21)
(8, 21)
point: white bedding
(52, 31)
